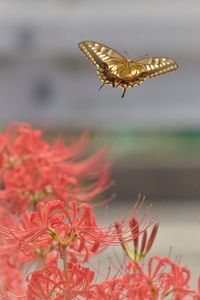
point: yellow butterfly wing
(111, 65)
(154, 66)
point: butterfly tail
(101, 87)
(124, 91)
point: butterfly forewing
(104, 57)
(113, 68)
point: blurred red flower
(32, 170)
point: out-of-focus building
(45, 79)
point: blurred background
(154, 132)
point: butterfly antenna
(138, 57)
(127, 54)
(145, 55)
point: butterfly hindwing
(155, 66)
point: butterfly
(114, 69)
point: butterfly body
(114, 69)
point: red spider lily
(50, 283)
(32, 170)
(151, 285)
(52, 227)
(45, 243)
(138, 231)
(71, 233)
(11, 280)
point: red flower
(163, 280)
(32, 170)
(52, 227)
(54, 239)
(137, 231)
(50, 283)
(11, 280)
